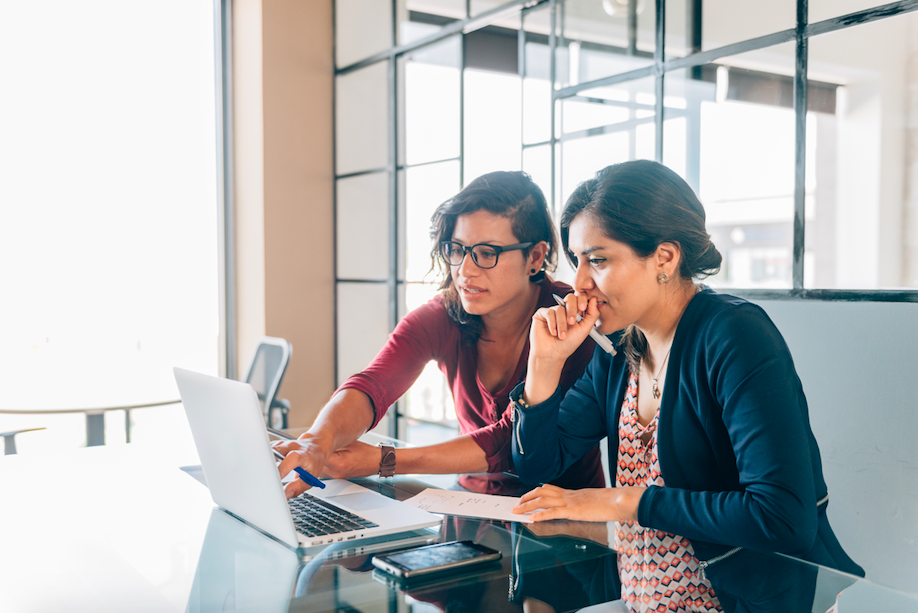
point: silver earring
(662, 278)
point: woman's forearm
(458, 455)
(344, 419)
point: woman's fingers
(544, 497)
(540, 491)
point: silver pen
(596, 335)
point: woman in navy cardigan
(709, 437)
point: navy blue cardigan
(740, 462)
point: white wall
(857, 364)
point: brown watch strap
(386, 461)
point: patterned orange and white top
(658, 570)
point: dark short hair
(644, 204)
(510, 194)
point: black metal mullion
(828, 295)
(462, 104)
(632, 27)
(800, 102)
(552, 60)
(466, 25)
(860, 17)
(392, 281)
(658, 60)
(227, 214)
(521, 70)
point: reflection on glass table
(122, 528)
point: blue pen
(304, 474)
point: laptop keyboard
(316, 517)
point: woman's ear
(537, 255)
(668, 257)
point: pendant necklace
(655, 391)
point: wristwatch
(387, 460)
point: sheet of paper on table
(468, 504)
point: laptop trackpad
(361, 501)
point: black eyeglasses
(484, 255)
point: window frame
(658, 69)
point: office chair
(9, 439)
(265, 375)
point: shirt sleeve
(760, 400)
(551, 436)
(417, 339)
(495, 439)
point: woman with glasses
(494, 244)
(711, 450)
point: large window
(790, 125)
(109, 267)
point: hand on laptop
(303, 452)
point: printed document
(469, 504)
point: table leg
(95, 429)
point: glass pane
(729, 131)
(596, 40)
(612, 123)
(362, 216)
(429, 398)
(419, 19)
(363, 28)
(825, 9)
(536, 77)
(508, 18)
(362, 119)
(581, 158)
(861, 172)
(426, 187)
(363, 325)
(724, 23)
(431, 102)
(537, 162)
(108, 211)
(492, 122)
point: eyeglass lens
(484, 256)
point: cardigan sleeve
(549, 437)
(758, 399)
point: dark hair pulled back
(644, 204)
(510, 194)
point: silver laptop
(241, 472)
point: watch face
(387, 463)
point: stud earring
(532, 271)
(662, 278)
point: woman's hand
(554, 336)
(356, 460)
(590, 504)
(305, 452)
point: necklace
(655, 392)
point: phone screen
(424, 560)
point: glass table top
(122, 528)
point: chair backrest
(267, 370)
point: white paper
(469, 504)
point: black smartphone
(429, 559)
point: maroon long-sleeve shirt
(427, 333)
